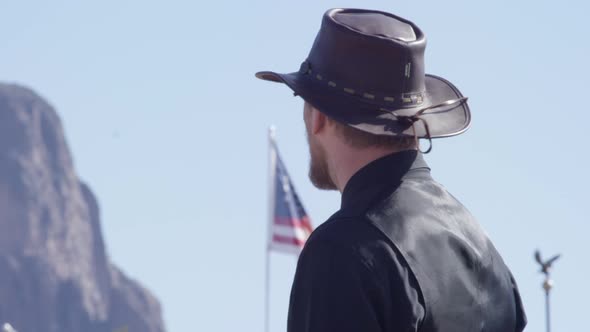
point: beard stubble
(319, 174)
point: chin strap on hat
(410, 120)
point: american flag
(289, 225)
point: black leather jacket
(402, 254)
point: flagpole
(267, 292)
(271, 188)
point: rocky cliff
(55, 275)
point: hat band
(402, 100)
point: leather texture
(402, 254)
(366, 69)
(463, 280)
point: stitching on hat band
(405, 98)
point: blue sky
(168, 126)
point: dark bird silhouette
(545, 266)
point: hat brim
(368, 115)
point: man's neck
(345, 165)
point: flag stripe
(302, 222)
(288, 240)
(297, 232)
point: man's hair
(361, 139)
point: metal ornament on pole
(547, 283)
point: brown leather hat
(366, 69)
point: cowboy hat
(366, 70)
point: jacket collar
(380, 175)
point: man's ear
(318, 121)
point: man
(401, 254)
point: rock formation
(55, 275)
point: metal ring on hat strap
(410, 120)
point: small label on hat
(408, 68)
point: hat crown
(366, 70)
(369, 52)
(376, 24)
